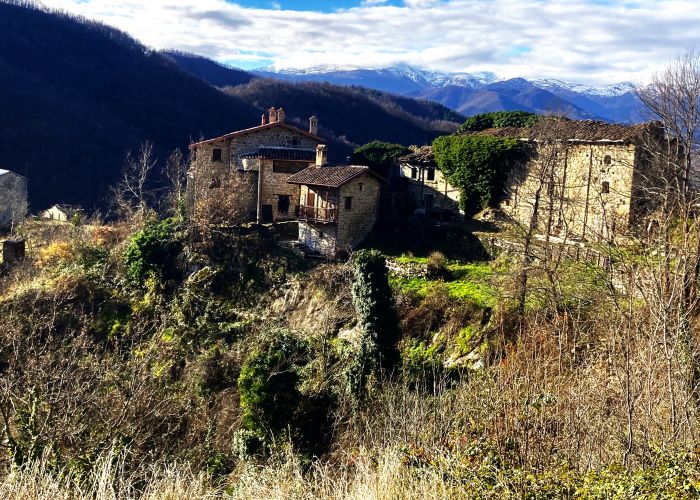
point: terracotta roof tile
(329, 176)
(577, 130)
(419, 155)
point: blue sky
(595, 42)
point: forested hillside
(78, 96)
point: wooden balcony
(316, 214)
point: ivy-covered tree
(372, 298)
(499, 119)
(476, 164)
(378, 155)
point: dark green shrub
(378, 155)
(154, 250)
(272, 401)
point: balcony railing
(316, 214)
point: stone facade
(336, 219)
(428, 189)
(214, 159)
(587, 190)
(356, 222)
(13, 198)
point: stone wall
(318, 237)
(13, 199)
(445, 195)
(274, 185)
(582, 190)
(354, 224)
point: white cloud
(576, 40)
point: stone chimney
(321, 155)
(273, 115)
(280, 115)
(313, 125)
(263, 119)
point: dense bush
(378, 155)
(476, 165)
(498, 119)
(154, 250)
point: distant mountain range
(471, 93)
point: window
(321, 234)
(359, 186)
(214, 183)
(431, 173)
(605, 187)
(607, 160)
(283, 203)
(414, 173)
(429, 200)
(348, 203)
(216, 154)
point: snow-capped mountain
(470, 93)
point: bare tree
(131, 196)
(175, 174)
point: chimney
(263, 121)
(321, 155)
(313, 125)
(273, 115)
(280, 115)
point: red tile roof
(252, 130)
(326, 176)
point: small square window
(348, 203)
(216, 154)
(414, 173)
(605, 187)
(431, 173)
(321, 234)
(607, 160)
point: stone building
(261, 157)
(337, 205)
(63, 213)
(586, 178)
(425, 184)
(13, 198)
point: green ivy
(377, 320)
(476, 164)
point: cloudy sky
(588, 41)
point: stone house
(62, 213)
(425, 185)
(13, 198)
(337, 205)
(588, 180)
(262, 158)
